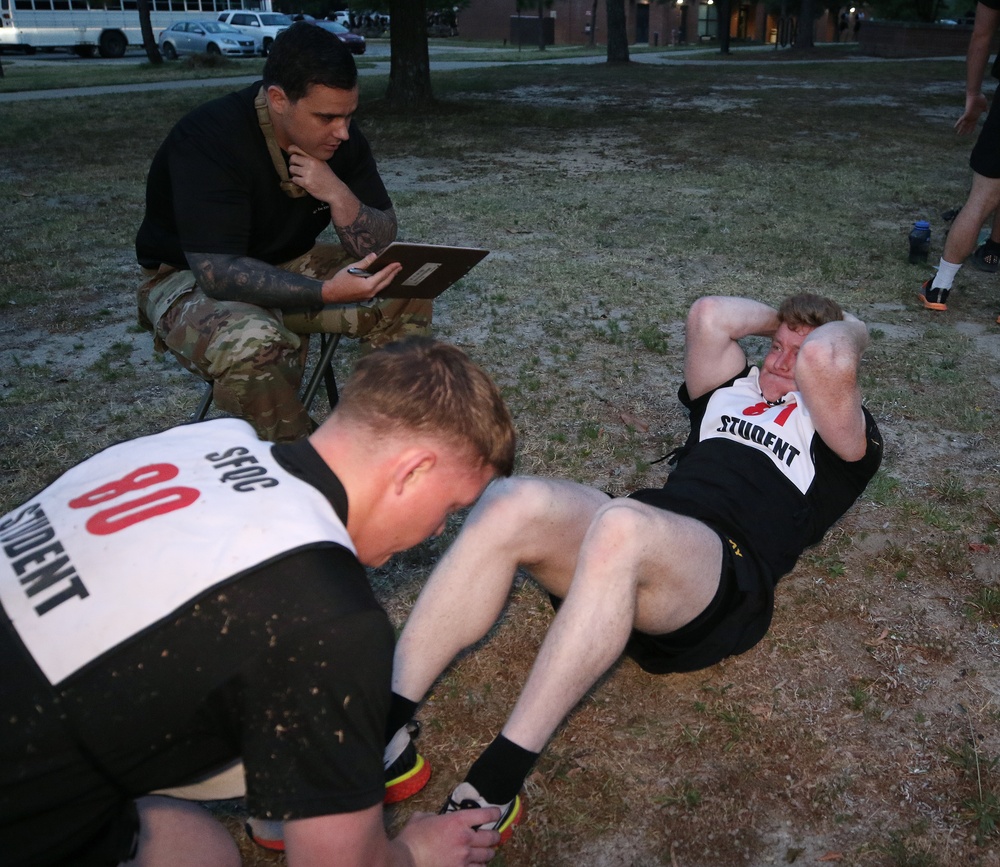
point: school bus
(105, 27)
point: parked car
(353, 41)
(263, 26)
(205, 37)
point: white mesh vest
(784, 432)
(131, 535)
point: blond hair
(425, 386)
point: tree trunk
(927, 10)
(593, 23)
(724, 11)
(617, 35)
(804, 35)
(783, 34)
(148, 38)
(410, 66)
(541, 27)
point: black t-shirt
(735, 488)
(288, 666)
(212, 188)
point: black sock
(500, 771)
(401, 711)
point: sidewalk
(381, 67)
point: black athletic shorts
(985, 159)
(735, 620)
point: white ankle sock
(945, 275)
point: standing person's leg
(984, 197)
(986, 257)
(962, 238)
(375, 323)
(175, 832)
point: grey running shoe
(466, 797)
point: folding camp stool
(322, 373)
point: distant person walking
(984, 197)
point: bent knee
(516, 505)
(505, 500)
(638, 535)
(256, 351)
(622, 523)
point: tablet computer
(428, 269)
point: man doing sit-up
(679, 577)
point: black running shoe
(933, 299)
(406, 772)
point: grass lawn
(865, 728)
(20, 75)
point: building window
(708, 21)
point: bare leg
(618, 564)
(175, 832)
(535, 523)
(964, 234)
(638, 567)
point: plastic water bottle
(920, 241)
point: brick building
(648, 22)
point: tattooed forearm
(372, 231)
(240, 278)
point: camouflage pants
(255, 356)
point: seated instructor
(679, 577)
(235, 199)
(188, 598)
